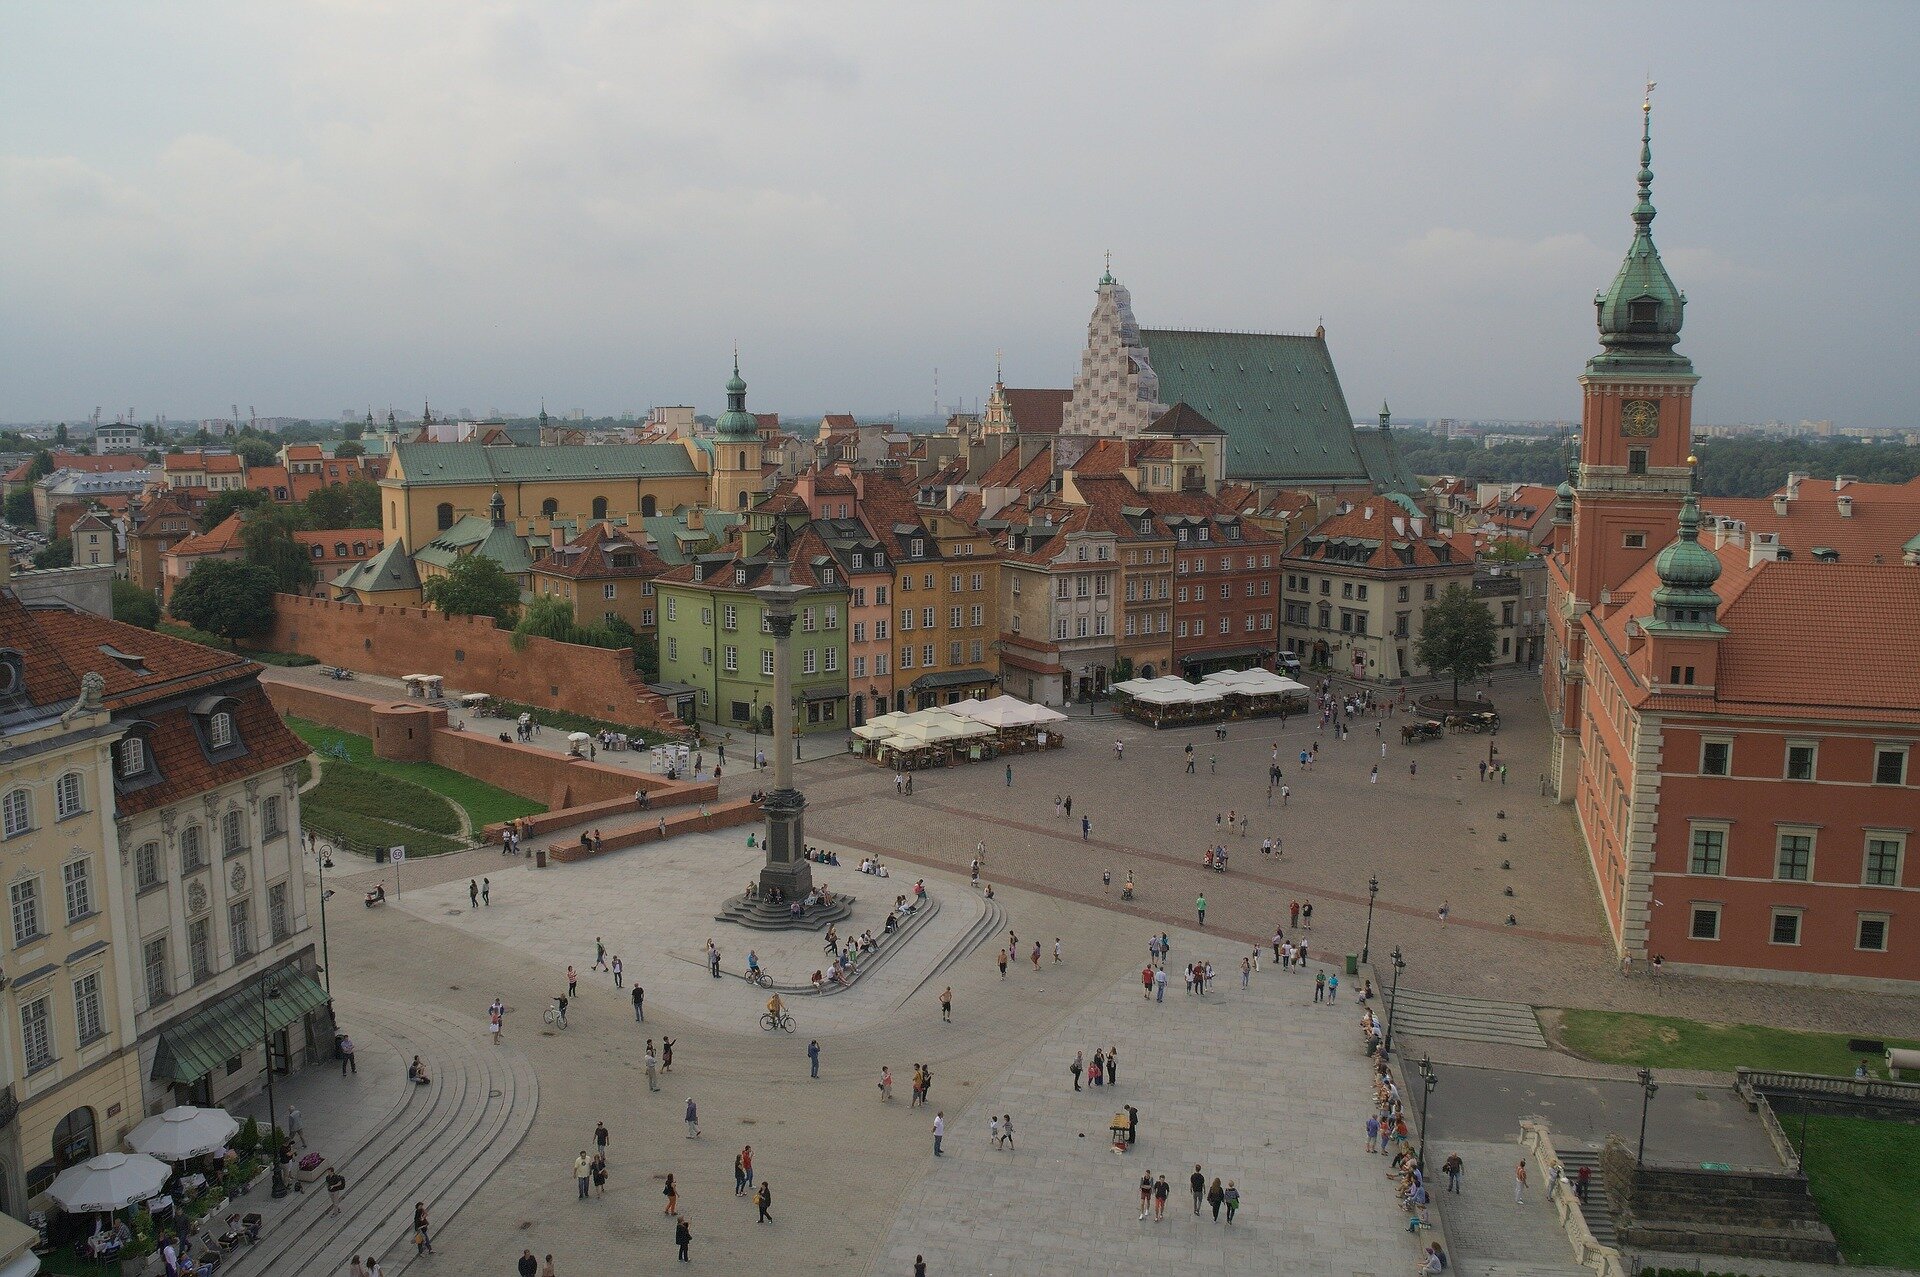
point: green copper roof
(390, 569)
(1685, 599)
(736, 424)
(1277, 397)
(426, 464)
(1640, 314)
(1380, 453)
(475, 535)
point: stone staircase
(990, 924)
(888, 947)
(435, 1144)
(1596, 1210)
(1440, 1015)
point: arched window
(743, 500)
(74, 1138)
(16, 813)
(220, 730)
(67, 796)
(599, 507)
(648, 506)
(549, 508)
(743, 460)
(444, 515)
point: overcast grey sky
(312, 206)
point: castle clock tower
(1637, 413)
(737, 448)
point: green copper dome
(736, 424)
(1686, 564)
(1640, 315)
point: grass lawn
(1865, 1175)
(484, 804)
(361, 791)
(1663, 1043)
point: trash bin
(379, 855)
(540, 858)
(1353, 964)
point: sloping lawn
(1866, 1177)
(360, 791)
(1662, 1042)
(363, 833)
(484, 804)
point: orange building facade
(1736, 727)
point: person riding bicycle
(560, 1008)
(776, 1008)
(753, 963)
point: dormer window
(220, 730)
(826, 576)
(132, 761)
(879, 558)
(318, 552)
(918, 547)
(1642, 313)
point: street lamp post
(326, 954)
(1373, 889)
(756, 731)
(1428, 1081)
(268, 989)
(1393, 1001)
(1647, 1087)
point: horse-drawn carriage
(1485, 720)
(1425, 730)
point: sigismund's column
(787, 867)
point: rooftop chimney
(1794, 479)
(1845, 503)
(1780, 502)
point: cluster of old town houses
(1733, 685)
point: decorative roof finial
(1107, 278)
(997, 379)
(1643, 211)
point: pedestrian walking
(639, 1005)
(1581, 1179)
(764, 1200)
(1520, 1182)
(296, 1128)
(336, 1189)
(1453, 1166)
(1233, 1201)
(1079, 1063)
(939, 1131)
(1086, 827)
(347, 1063)
(666, 1054)
(1113, 1066)
(1056, 951)
(1200, 908)
(1146, 1193)
(739, 1177)
(473, 893)
(599, 954)
(1009, 775)
(693, 1119)
(573, 981)
(1160, 984)
(1216, 1198)
(813, 1057)
(528, 1265)
(683, 1237)
(581, 1167)
(1320, 986)
(946, 1005)
(1006, 1131)
(486, 891)
(1198, 1183)
(886, 1085)
(422, 1234)
(1161, 1191)
(671, 1191)
(746, 1161)
(1036, 955)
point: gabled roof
(472, 534)
(148, 665)
(601, 552)
(718, 569)
(1276, 396)
(222, 538)
(1183, 420)
(469, 463)
(331, 540)
(1882, 518)
(1379, 534)
(390, 569)
(1037, 412)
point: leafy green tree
(1508, 550)
(20, 507)
(153, 456)
(267, 538)
(233, 600)
(646, 656)
(134, 605)
(256, 451)
(353, 430)
(349, 449)
(41, 466)
(58, 554)
(148, 434)
(222, 504)
(355, 504)
(475, 586)
(1456, 637)
(60, 433)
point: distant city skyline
(304, 207)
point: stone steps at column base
(919, 919)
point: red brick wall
(738, 811)
(472, 654)
(554, 779)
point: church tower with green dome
(737, 448)
(1637, 413)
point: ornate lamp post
(756, 729)
(326, 958)
(270, 988)
(1647, 1087)
(1373, 889)
(1393, 1001)
(1429, 1080)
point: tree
(475, 586)
(60, 433)
(256, 451)
(20, 507)
(134, 605)
(222, 504)
(41, 466)
(349, 449)
(1456, 637)
(58, 554)
(355, 504)
(1508, 550)
(354, 430)
(548, 618)
(268, 539)
(232, 600)
(646, 657)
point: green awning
(219, 1031)
(952, 678)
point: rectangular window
(18, 813)
(1786, 927)
(66, 796)
(232, 835)
(953, 618)
(155, 958)
(133, 756)
(79, 885)
(906, 619)
(807, 625)
(25, 899)
(880, 665)
(1061, 588)
(833, 617)
(1705, 923)
(879, 631)
(1346, 589)
(953, 583)
(1129, 625)
(977, 649)
(1183, 629)
(1794, 862)
(240, 929)
(1800, 760)
(36, 1034)
(706, 617)
(766, 663)
(277, 911)
(199, 950)
(610, 591)
(730, 617)
(926, 618)
(1429, 592)
(646, 617)
(906, 657)
(926, 657)
(1882, 867)
(880, 596)
(191, 854)
(956, 653)
(833, 659)
(1633, 540)
(730, 659)
(1707, 855)
(673, 609)
(87, 1020)
(1890, 766)
(976, 616)
(146, 866)
(859, 667)
(1872, 933)
(1080, 627)
(1102, 586)
(1060, 628)
(1199, 594)
(974, 582)
(673, 645)
(859, 631)
(1716, 757)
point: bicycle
(555, 1016)
(768, 1023)
(760, 977)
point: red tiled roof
(166, 666)
(838, 421)
(1372, 522)
(110, 463)
(222, 538)
(590, 556)
(1884, 518)
(1801, 634)
(305, 452)
(1524, 510)
(1038, 412)
(330, 540)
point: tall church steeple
(1640, 315)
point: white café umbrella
(109, 1182)
(183, 1132)
(579, 738)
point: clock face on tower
(1639, 418)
